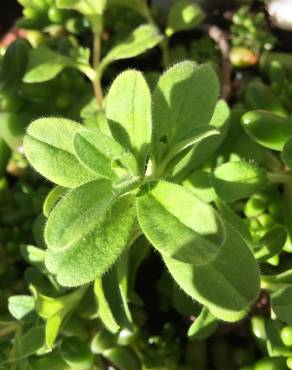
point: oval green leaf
(237, 180)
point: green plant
(250, 36)
(122, 188)
(163, 213)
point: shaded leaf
(123, 357)
(12, 129)
(76, 353)
(235, 221)
(227, 285)
(287, 153)
(113, 307)
(282, 304)
(237, 180)
(50, 361)
(203, 326)
(187, 229)
(184, 98)
(199, 182)
(271, 243)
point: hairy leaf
(235, 221)
(96, 151)
(48, 146)
(93, 255)
(78, 213)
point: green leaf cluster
(119, 185)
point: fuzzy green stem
(164, 45)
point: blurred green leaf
(143, 38)
(183, 15)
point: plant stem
(273, 163)
(164, 45)
(165, 53)
(8, 329)
(278, 177)
(96, 59)
(147, 13)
